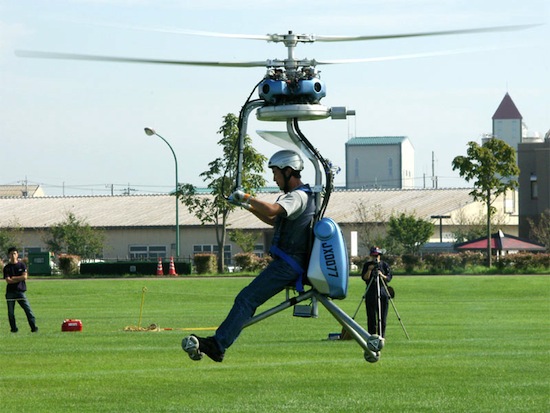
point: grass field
(478, 344)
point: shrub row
(456, 263)
(524, 261)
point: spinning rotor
(287, 81)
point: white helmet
(285, 158)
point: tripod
(395, 309)
(381, 283)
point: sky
(77, 127)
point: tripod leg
(395, 309)
(379, 303)
(364, 295)
(359, 306)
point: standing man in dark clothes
(376, 273)
(15, 274)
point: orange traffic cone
(172, 270)
(159, 267)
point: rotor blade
(321, 38)
(73, 56)
(188, 32)
(403, 56)
(424, 34)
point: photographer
(375, 273)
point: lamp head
(150, 132)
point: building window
(259, 250)
(390, 167)
(509, 206)
(157, 251)
(534, 187)
(145, 252)
(213, 249)
(356, 168)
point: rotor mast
(291, 40)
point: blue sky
(76, 128)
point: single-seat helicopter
(291, 91)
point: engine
(304, 86)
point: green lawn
(478, 344)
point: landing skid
(372, 344)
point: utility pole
(129, 190)
(25, 192)
(433, 170)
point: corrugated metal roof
(422, 203)
(376, 140)
(159, 210)
(21, 190)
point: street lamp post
(151, 132)
(441, 218)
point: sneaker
(34, 329)
(14, 330)
(202, 346)
(209, 346)
(191, 346)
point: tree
(221, 180)
(470, 228)
(410, 232)
(371, 227)
(493, 170)
(245, 240)
(540, 229)
(76, 237)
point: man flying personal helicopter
(291, 215)
(290, 92)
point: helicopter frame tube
(371, 344)
(247, 108)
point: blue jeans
(271, 281)
(21, 298)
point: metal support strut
(370, 343)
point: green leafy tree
(75, 237)
(221, 180)
(410, 232)
(245, 240)
(492, 168)
(540, 229)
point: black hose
(326, 167)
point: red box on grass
(71, 325)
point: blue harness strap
(276, 251)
